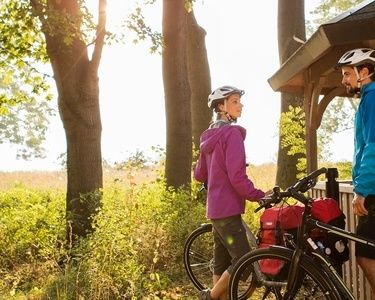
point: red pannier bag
(276, 221)
(273, 224)
(325, 209)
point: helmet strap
(368, 76)
(359, 82)
(228, 116)
(359, 79)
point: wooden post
(311, 138)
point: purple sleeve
(236, 166)
(200, 172)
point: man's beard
(352, 91)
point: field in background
(263, 177)
(57, 179)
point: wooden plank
(348, 273)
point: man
(357, 68)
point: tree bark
(291, 22)
(177, 95)
(199, 78)
(78, 101)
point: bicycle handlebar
(296, 191)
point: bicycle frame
(304, 242)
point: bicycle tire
(314, 283)
(198, 260)
(198, 256)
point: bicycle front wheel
(198, 256)
(313, 282)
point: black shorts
(366, 228)
(230, 243)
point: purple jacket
(222, 165)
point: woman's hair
(216, 107)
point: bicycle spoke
(198, 256)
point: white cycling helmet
(222, 93)
(357, 57)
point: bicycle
(308, 273)
(198, 258)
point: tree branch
(100, 34)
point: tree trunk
(177, 95)
(82, 125)
(291, 22)
(78, 100)
(199, 78)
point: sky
(242, 51)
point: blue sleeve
(365, 179)
(368, 118)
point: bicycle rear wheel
(313, 282)
(198, 261)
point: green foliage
(24, 90)
(292, 131)
(338, 117)
(136, 23)
(31, 230)
(344, 169)
(135, 161)
(21, 34)
(292, 134)
(24, 84)
(328, 9)
(25, 125)
(135, 251)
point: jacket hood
(211, 136)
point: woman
(222, 167)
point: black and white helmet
(357, 57)
(222, 93)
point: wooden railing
(352, 274)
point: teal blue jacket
(363, 171)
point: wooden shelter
(310, 70)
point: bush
(344, 169)
(31, 228)
(134, 252)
